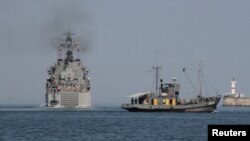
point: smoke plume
(41, 26)
(68, 18)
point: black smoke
(73, 18)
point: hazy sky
(123, 38)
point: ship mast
(200, 77)
(156, 68)
(69, 45)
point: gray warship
(68, 83)
(167, 99)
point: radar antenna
(68, 45)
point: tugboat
(68, 83)
(167, 99)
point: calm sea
(31, 123)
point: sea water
(32, 123)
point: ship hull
(69, 100)
(172, 109)
(235, 101)
(203, 107)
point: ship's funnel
(70, 57)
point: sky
(124, 40)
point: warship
(234, 98)
(68, 83)
(166, 98)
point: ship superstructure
(68, 83)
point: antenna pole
(156, 77)
(200, 77)
(69, 27)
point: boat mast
(156, 77)
(200, 77)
